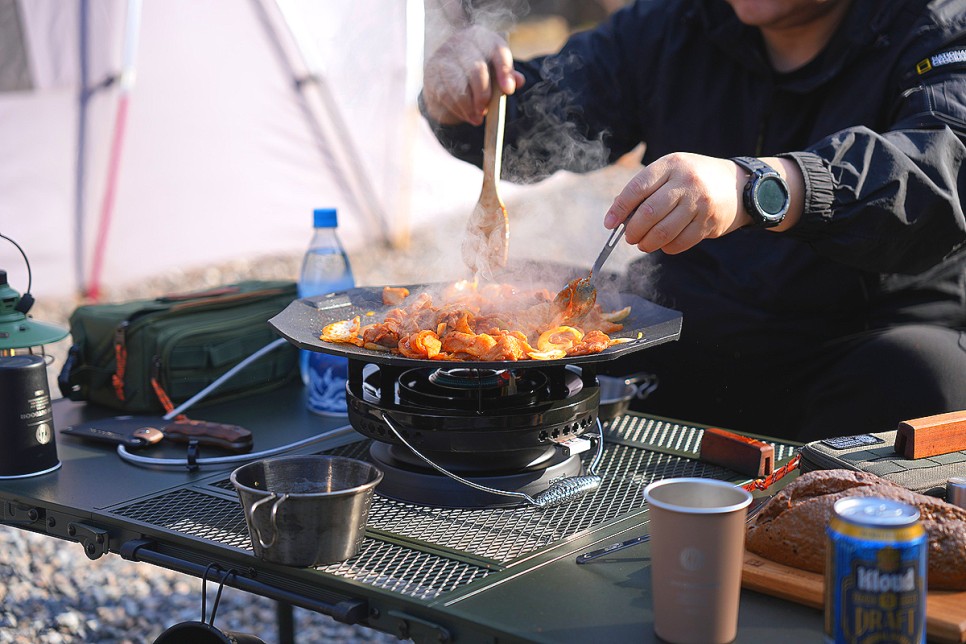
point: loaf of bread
(790, 528)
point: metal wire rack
(425, 552)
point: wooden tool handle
(230, 437)
(487, 240)
(932, 435)
(743, 454)
(493, 138)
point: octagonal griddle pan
(301, 323)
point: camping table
(442, 591)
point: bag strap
(199, 295)
(165, 399)
(120, 360)
(226, 298)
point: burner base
(425, 486)
(479, 433)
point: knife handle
(230, 437)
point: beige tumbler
(697, 531)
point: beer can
(875, 573)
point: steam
(639, 278)
(496, 15)
(551, 138)
(485, 242)
(443, 17)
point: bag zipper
(177, 339)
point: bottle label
(327, 375)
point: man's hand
(458, 78)
(683, 198)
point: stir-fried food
(394, 295)
(495, 322)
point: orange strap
(165, 399)
(117, 379)
(767, 481)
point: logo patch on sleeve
(956, 57)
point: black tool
(135, 432)
(131, 431)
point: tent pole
(129, 56)
(358, 188)
(83, 100)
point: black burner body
(473, 420)
(501, 425)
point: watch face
(772, 197)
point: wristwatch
(765, 195)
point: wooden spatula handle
(493, 138)
(487, 240)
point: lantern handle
(26, 300)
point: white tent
(138, 137)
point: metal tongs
(580, 294)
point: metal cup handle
(250, 512)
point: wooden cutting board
(945, 610)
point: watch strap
(754, 166)
(759, 170)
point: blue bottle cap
(325, 218)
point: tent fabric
(243, 117)
(14, 71)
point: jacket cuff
(463, 140)
(817, 212)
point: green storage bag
(181, 342)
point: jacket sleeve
(892, 202)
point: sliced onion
(551, 339)
(551, 354)
(616, 316)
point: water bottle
(325, 269)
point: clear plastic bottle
(325, 269)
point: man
(800, 203)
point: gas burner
(463, 378)
(481, 424)
(473, 388)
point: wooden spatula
(487, 240)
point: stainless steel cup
(306, 510)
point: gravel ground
(51, 593)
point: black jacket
(877, 123)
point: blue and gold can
(875, 573)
